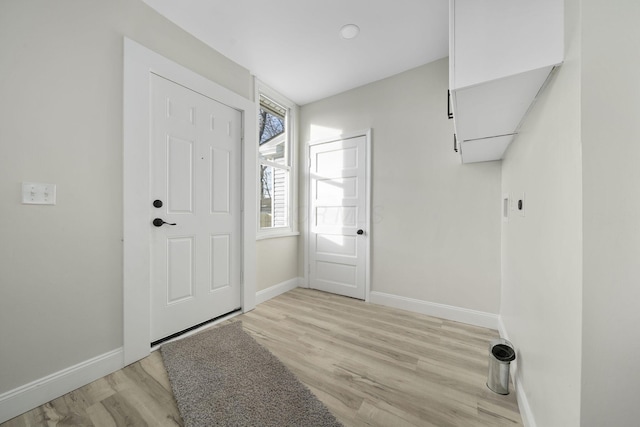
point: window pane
(273, 150)
(271, 125)
(272, 131)
(274, 201)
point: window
(275, 156)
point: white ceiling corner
(295, 47)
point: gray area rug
(223, 377)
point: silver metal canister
(501, 353)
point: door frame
(139, 64)
(366, 133)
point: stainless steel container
(501, 353)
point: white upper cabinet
(501, 52)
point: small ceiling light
(349, 31)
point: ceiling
(295, 47)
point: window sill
(262, 235)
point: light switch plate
(35, 193)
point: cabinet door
(492, 39)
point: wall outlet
(35, 193)
(521, 205)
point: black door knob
(159, 222)
(360, 232)
(157, 203)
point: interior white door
(338, 234)
(195, 202)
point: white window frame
(291, 123)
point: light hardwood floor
(369, 364)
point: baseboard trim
(449, 312)
(523, 402)
(302, 283)
(24, 398)
(275, 290)
(502, 329)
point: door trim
(139, 63)
(366, 133)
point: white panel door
(339, 237)
(195, 177)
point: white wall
(435, 223)
(570, 298)
(61, 122)
(277, 261)
(611, 174)
(542, 262)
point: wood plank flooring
(371, 366)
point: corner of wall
(275, 290)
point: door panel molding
(327, 242)
(206, 173)
(139, 64)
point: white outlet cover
(36, 193)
